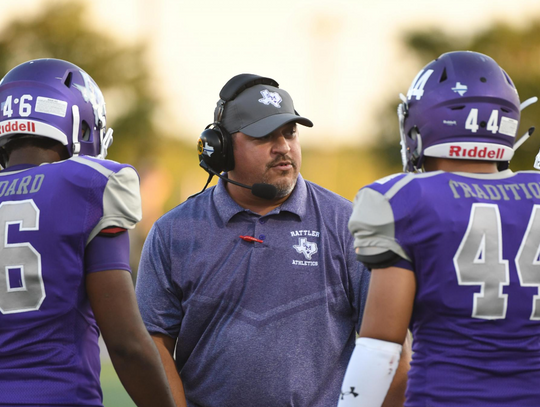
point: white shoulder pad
(372, 225)
(121, 202)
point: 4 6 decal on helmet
(25, 108)
(58, 100)
(43, 105)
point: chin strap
(528, 134)
(537, 161)
(409, 158)
(402, 111)
(523, 138)
(75, 145)
(106, 142)
(527, 103)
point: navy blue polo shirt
(265, 322)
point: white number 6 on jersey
(19, 259)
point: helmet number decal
(492, 122)
(471, 123)
(417, 87)
(25, 108)
(6, 108)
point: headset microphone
(260, 190)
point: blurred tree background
(61, 30)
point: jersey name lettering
(21, 186)
(499, 192)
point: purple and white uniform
(50, 216)
(473, 242)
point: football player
(64, 246)
(454, 250)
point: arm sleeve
(159, 298)
(372, 224)
(107, 253)
(121, 202)
(371, 369)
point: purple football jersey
(473, 242)
(48, 335)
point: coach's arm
(165, 345)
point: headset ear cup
(215, 145)
(212, 149)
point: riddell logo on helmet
(475, 152)
(17, 126)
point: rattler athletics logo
(306, 247)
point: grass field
(114, 394)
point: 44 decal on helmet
(507, 126)
(417, 87)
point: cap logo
(270, 98)
(459, 88)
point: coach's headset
(215, 143)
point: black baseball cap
(259, 110)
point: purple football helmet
(462, 105)
(55, 99)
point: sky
(341, 60)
